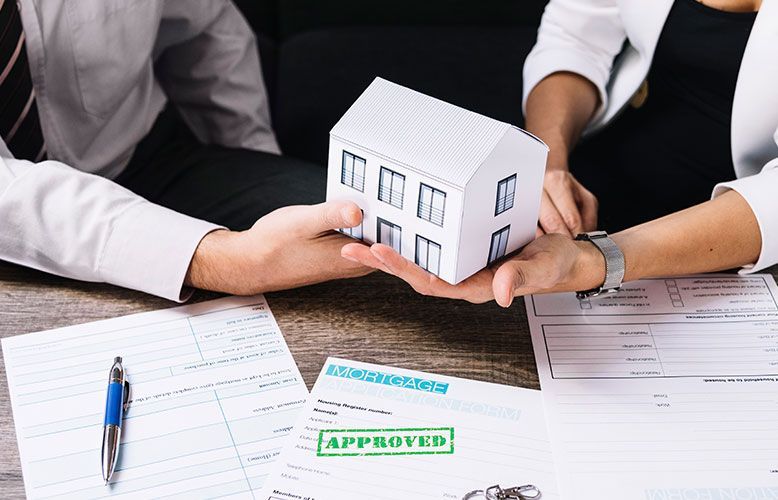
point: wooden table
(374, 319)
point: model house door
(389, 234)
(428, 255)
(499, 244)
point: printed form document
(214, 392)
(378, 432)
(667, 390)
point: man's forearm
(558, 110)
(719, 234)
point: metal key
(525, 492)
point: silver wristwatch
(614, 264)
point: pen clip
(126, 396)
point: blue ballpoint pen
(115, 405)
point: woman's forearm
(558, 110)
(713, 236)
(719, 234)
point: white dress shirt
(586, 37)
(102, 72)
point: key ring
(525, 492)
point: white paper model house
(447, 188)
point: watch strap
(614, 263)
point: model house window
(427, 255)
(499, 244)
(353, 172)
(391, 187)
(506, 190)
(389, 234)
(432, 204)
(354, 232)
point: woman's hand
(551, 263)
(566, 207)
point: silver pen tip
(106, 482)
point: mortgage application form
(667, 390)
(214, 393)
(378, 432)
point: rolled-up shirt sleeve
(761, 193)
(577, 36)
(69, 223)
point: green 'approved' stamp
(369, 442)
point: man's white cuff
(150, 248)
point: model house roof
(422, 133)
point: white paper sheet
(499, 437)
(666, 391)
(214, 393)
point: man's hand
(290, 247)
(566, 207)
(551, 263)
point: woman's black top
(668, 153)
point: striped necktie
(19, 121)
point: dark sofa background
(319, 55)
